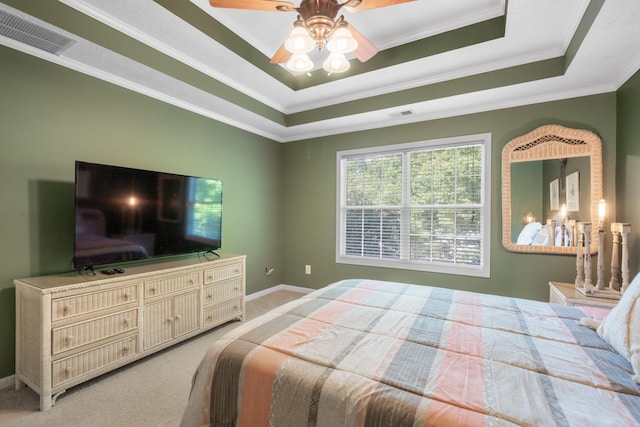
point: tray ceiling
(438, 58)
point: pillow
(621, 327)
(528, 233)
(542, 238)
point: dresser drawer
(64, 308)
(79, 334)
(217, 314)
(222, 291)
(70, 368)
(168, 285)
(221, 273)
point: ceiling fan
(317, 27)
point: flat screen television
(124, 214)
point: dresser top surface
(52, 282)
(573, 295)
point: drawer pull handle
(69, 338)
(126, 297)
(170, 319)
(152, 290)
(209, 277)
(66, 309)
(209, 296)
(68, 370)
(209, 317)
(178, 317)
(125, 350)
(126, 322)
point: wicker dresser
(72, 327)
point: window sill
(462, 270)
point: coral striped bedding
(373, 353)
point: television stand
(73, 327)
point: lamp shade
(299, 62)
(342, 41)
(336, 63)
(299, 41)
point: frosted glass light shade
(342, 41)
(299, 62)
(299, 41)
(336, 63)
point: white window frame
(482, 270)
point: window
(421, 206)
(204, 209)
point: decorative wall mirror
(551, 178)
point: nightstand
(566, 294)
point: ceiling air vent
(32, 34)
(401, 113)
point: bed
(537, 234)
(374, 353)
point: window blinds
(422, 205)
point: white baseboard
(278, 288)
(7, 382)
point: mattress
(374, 353)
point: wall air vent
(32, 34)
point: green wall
(628, 164)
(51, 116)
(527, 189)
(310, 186)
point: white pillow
(621, 327)
(542, 238)
(528, 233)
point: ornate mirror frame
(545, 143)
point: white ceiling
(385, 27)
(536, 30)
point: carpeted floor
(149, 392)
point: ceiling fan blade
(267, 5)
(373, 4)
(365, 50)
(282, 55)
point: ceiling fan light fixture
(300, 62)
(336, 63)
(342, 41)
(317, 26)
(299, 40)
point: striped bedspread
(372, 353)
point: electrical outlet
(307, 269)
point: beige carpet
(149, 392)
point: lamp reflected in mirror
(529, 218)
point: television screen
(124, 214)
